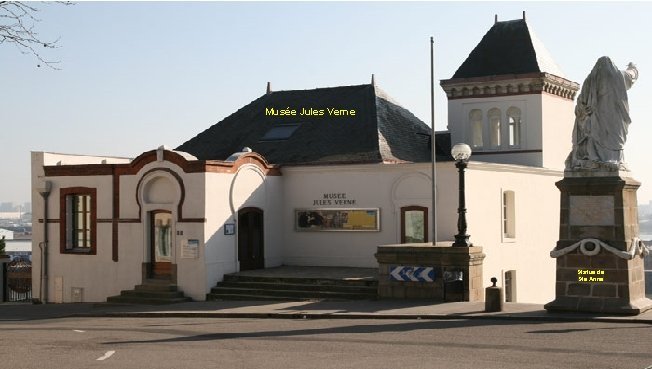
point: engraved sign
(592, 211)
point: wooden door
(251, 239)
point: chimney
(373, 80)
(269, 88)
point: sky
(134, 76)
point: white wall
(98, 274)
(547, 124)
(387, 187)
(558, 121)
(537, 225)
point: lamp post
(461, 153)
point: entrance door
(250, 239)
(414, 224)
(161, 243)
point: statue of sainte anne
(602, 118)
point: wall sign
(229, 229)
(411, 273)
(189, 249)
(333, 198)
(316, 220)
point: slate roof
(380, 131)
(509, 47)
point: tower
(509, 100)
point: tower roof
(509, 47)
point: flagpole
(432, 140)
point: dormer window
(280, 132)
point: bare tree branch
(17, 27)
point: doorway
(251, 239)
(161, 244)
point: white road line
(78, 331)
(106, 356)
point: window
(514, 126)
(509, 215)
(281, 132)
(414, 224)
(475, 119)
(78, 220)
(494, 127)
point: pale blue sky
(138, 75)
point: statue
(602, 118)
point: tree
(17, 22)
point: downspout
(45, 192)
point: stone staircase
(152, 292)
(274, 288)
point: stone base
(598, 228)
(442, 258)
(592, 305)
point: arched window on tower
(475, 120)
(494, 127)
(514, 126)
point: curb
(298, 316)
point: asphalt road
(180, 343)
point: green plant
(2, 245)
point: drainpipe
(43, 289)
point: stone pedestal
(599, 255)
(404, 272)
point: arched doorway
(251, 245)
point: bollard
(493, 298)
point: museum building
(320, 177)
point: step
(147, 301)
(152, 294)
(158, 281)
(300, 287)
(239, 297)
(156, 287)
(307, 281)
(291, 293)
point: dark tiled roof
(380, 131)
(509, 47)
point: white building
(323, 189)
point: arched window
(475, 119)
(494, 127)
(514, 126)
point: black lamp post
(461, 153)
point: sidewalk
(379, 309)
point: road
(179, 343)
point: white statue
(602, 118)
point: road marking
(78, 331)
(106, 356)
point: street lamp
(461, 153)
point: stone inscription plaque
(592, 211)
